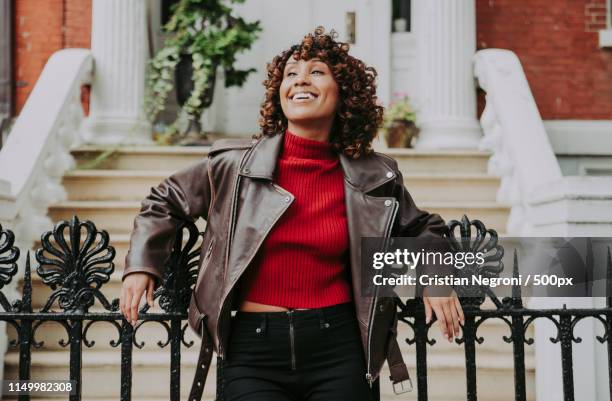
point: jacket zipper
(291, 338)
(387, 232)
(225, 267)
(224, 303)
(205, 262)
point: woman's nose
(302, 79)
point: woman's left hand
(448, 311)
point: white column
(119, 46)
(446, 100)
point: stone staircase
(451, 183)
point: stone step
(153, 158)
(118, 216)
(136, 184)
(101, 373)
(111, 184)
(431, 187)
(447, 382)
(440, 161)
(494, 215)
(175, 157)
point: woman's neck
(311, 131)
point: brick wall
(557, 42)
(41, 28)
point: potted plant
(399, 122)
(203, 35)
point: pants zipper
(291, 338)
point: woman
(285, 214)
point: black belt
(204, 360)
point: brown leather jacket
(234, 191)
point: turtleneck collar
(304, 148)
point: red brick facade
(41, 28)
(558, 44)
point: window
(605, 35)
(401, 16)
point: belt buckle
(401, 384)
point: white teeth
(303, 96)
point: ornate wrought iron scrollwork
(181, 271)
(485, 241)
(8, 262)
(75, 271)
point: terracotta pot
(401, 133)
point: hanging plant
(205, 34)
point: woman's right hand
(132, 288)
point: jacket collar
(364, 173)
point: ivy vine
(208, 31)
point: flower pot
(401, 133)
(184, 82)
(192, 135)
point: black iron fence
(75, 259)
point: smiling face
(309, 94)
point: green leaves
(207, 30)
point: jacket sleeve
(428, 227)
(184, 195)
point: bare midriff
(249, 306)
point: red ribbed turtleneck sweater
(302, 262)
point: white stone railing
(37, 152)
(514, 132)
(543, 201)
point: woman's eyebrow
(312, 59)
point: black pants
(299, 355)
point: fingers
(427, 310)
(150, 293)
(137, 295)
(459, 310)
(454, 320)
(449, 313)
(442, 318)
(122, 300)
(126, 305)
(446, 324)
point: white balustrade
(37, 152)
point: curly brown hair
(358, 115)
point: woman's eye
(320, 72)
(289, 73)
